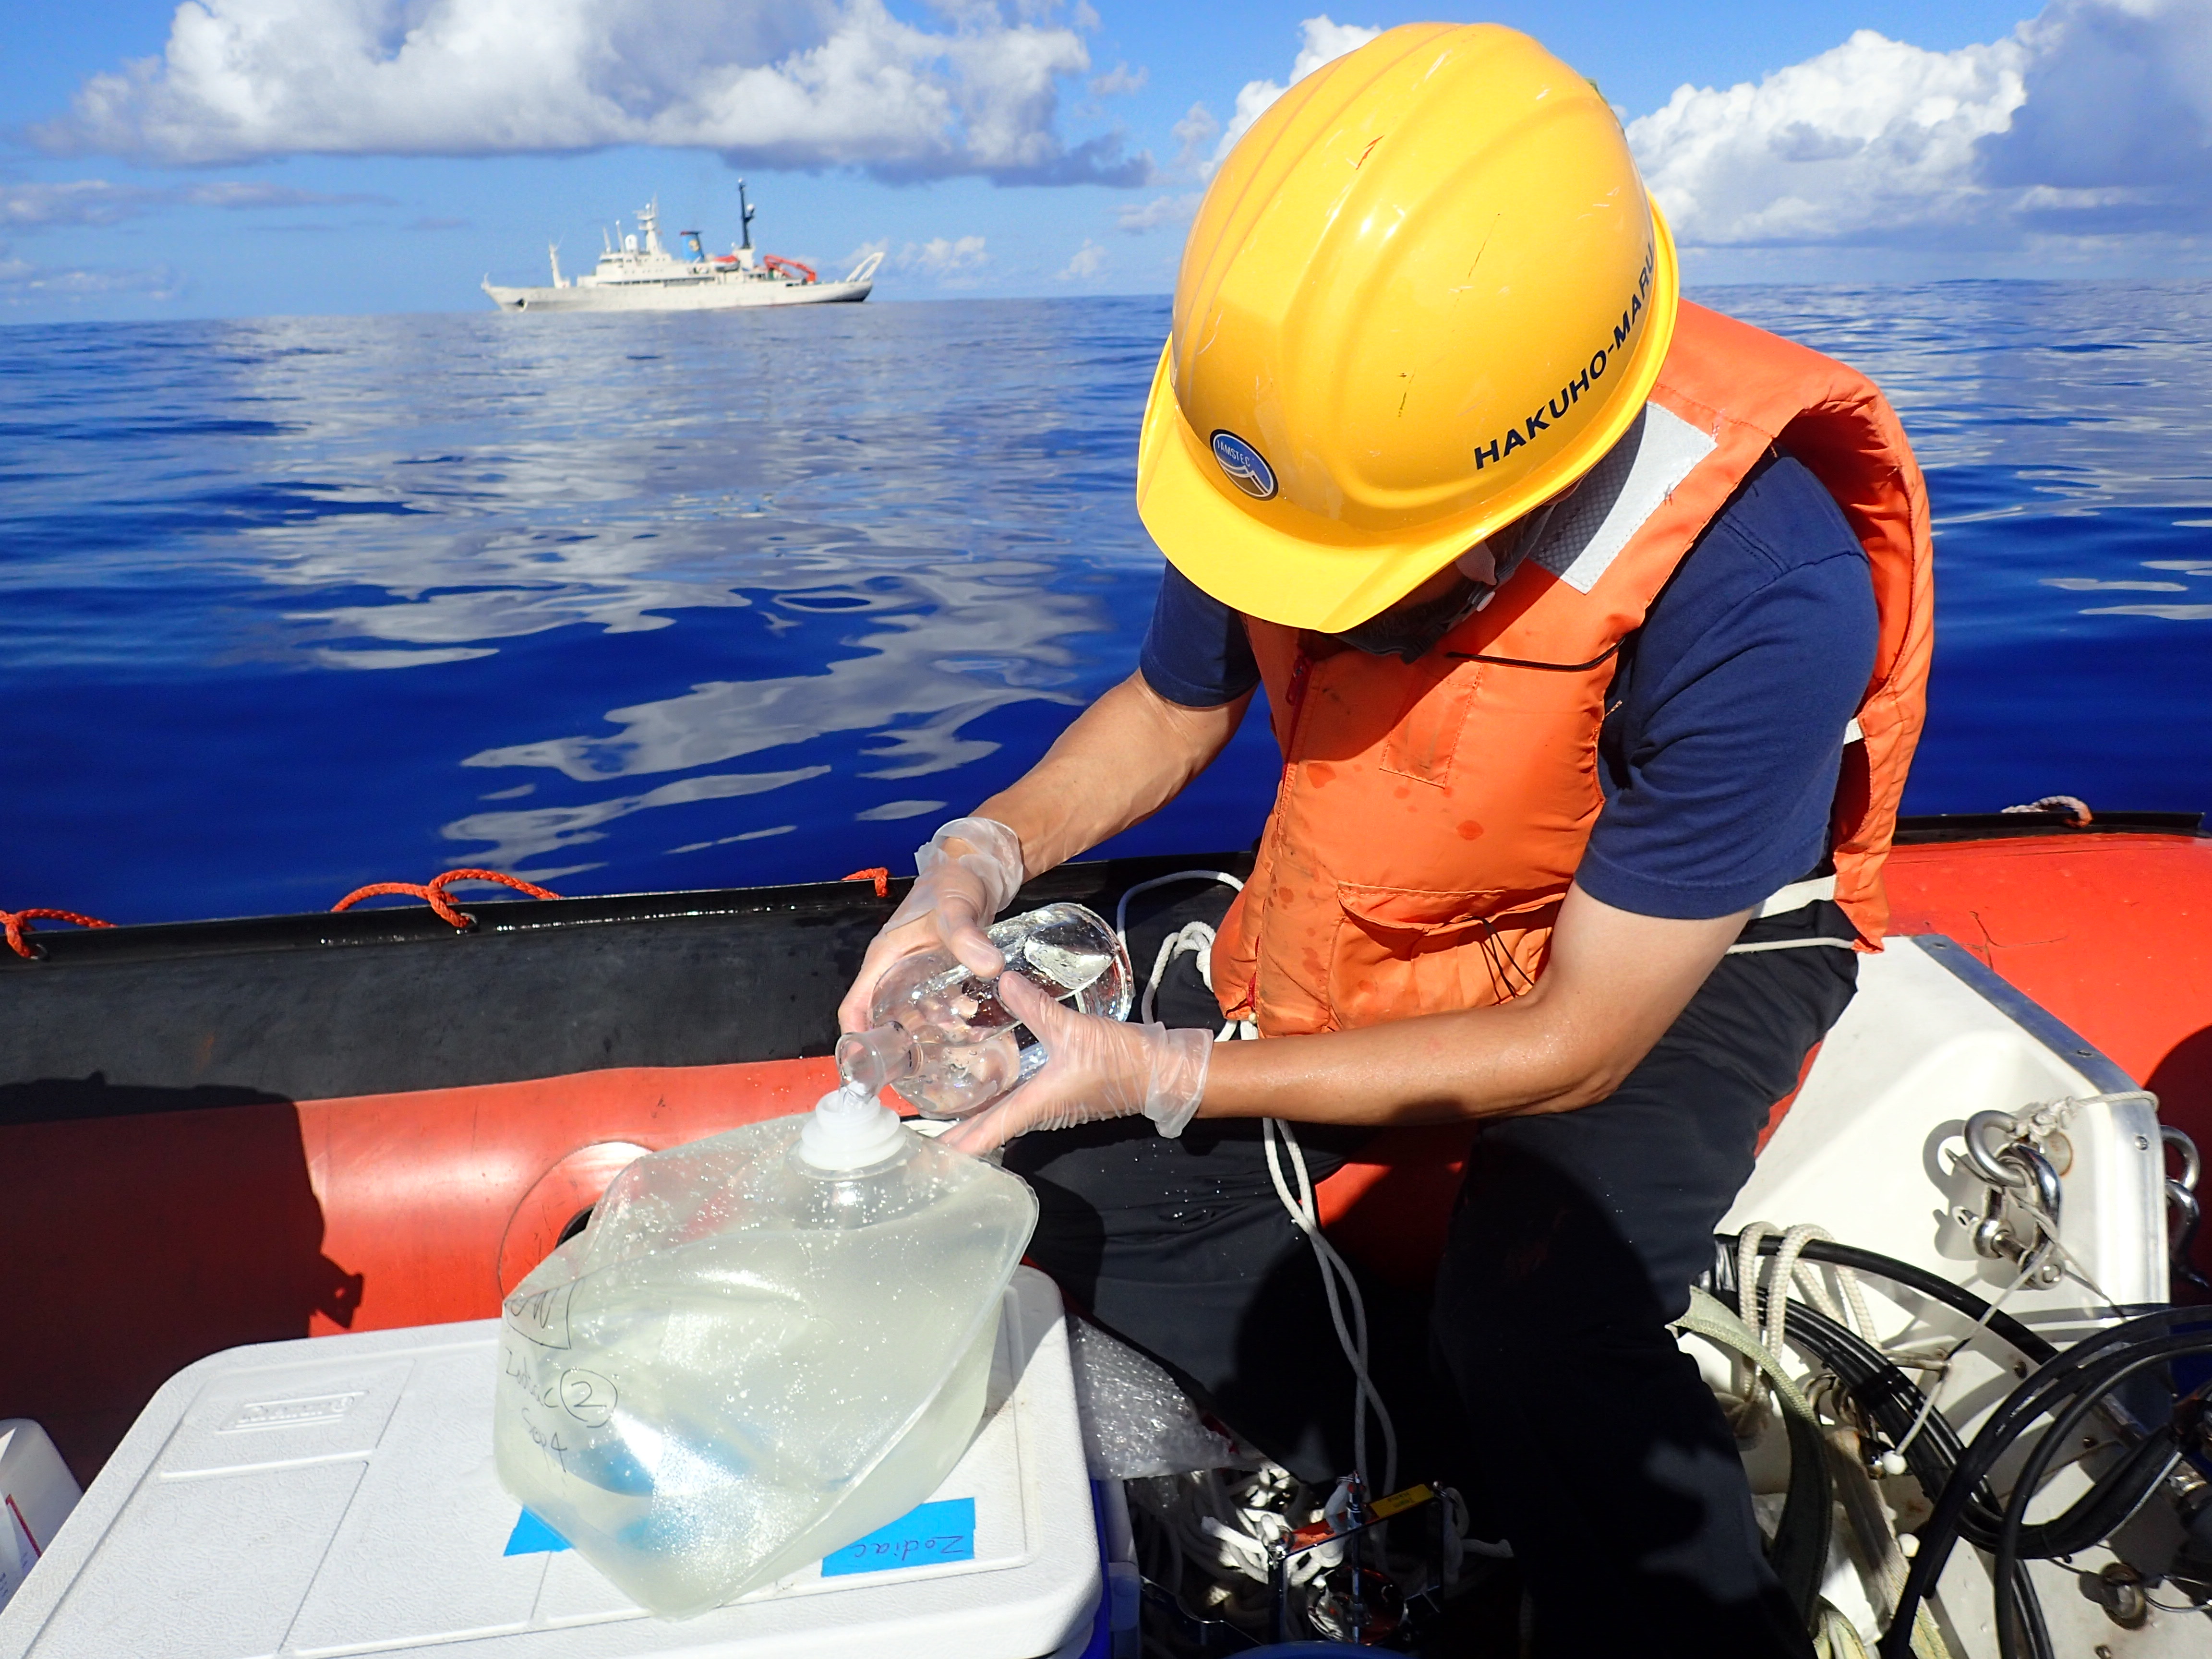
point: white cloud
(2095, 117)
(1194, 132)
(1088, 261)
(953, 262)
(1120, 80)
(1871, 135)
(23, 283)
(1138, 217)
(76, 202)
(798, 83)
(1322, 41)
(236, 193)
(97, 202)
(2119, 100)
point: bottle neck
(870, 1061)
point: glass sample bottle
(944, 1042)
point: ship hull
(707, 295)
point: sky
(286, 157)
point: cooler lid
(337, 1496)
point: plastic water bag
(765, 1346)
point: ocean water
(639, 601)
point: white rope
(1935, 1385)
(1790, 945)
(1121, 909)
(2075, 806)
(1197, 939)
(1194, 937)
(1773, 1329)
(1789, 1268)
(1305, 1215)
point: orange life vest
(1430, 816)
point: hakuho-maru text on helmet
(1425, 293)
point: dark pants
(1546, 1384)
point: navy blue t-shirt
(1726, 716)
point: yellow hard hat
(1425, 293)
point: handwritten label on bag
(923, 1537)
(542, 1317)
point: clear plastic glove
(954, 897)
(1099, 1068)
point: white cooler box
(337, 1496)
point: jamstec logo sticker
(1555, 409)
(1244, 465)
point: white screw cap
(849, 1130)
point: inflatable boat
(1951, 1310)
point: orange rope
(879, 875)
(18, 924)
(434, 893)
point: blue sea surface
(645, 602)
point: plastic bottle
(944, 1042)
(765, 1344)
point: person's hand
(1097, 1068)
(969, 872)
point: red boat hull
(137, 1243)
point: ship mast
(744, 217)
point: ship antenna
(744, 214)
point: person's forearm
(1126, 756)
(1615, 983)
(1434, 1068)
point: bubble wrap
(1136, 1421)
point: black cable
(1935, 1453)
(1892, 1401)
(2061, 1435)
(2019, 1409)
(2033, 1348)
(2108, 1504)
(1889, 1397)
(2023, 1609)
(1883, 1390)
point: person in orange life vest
(1595, 628)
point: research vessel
(640, 273)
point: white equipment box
(37, 1493)
(337, 1496)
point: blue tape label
(531, 1536)
(923, 1537)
